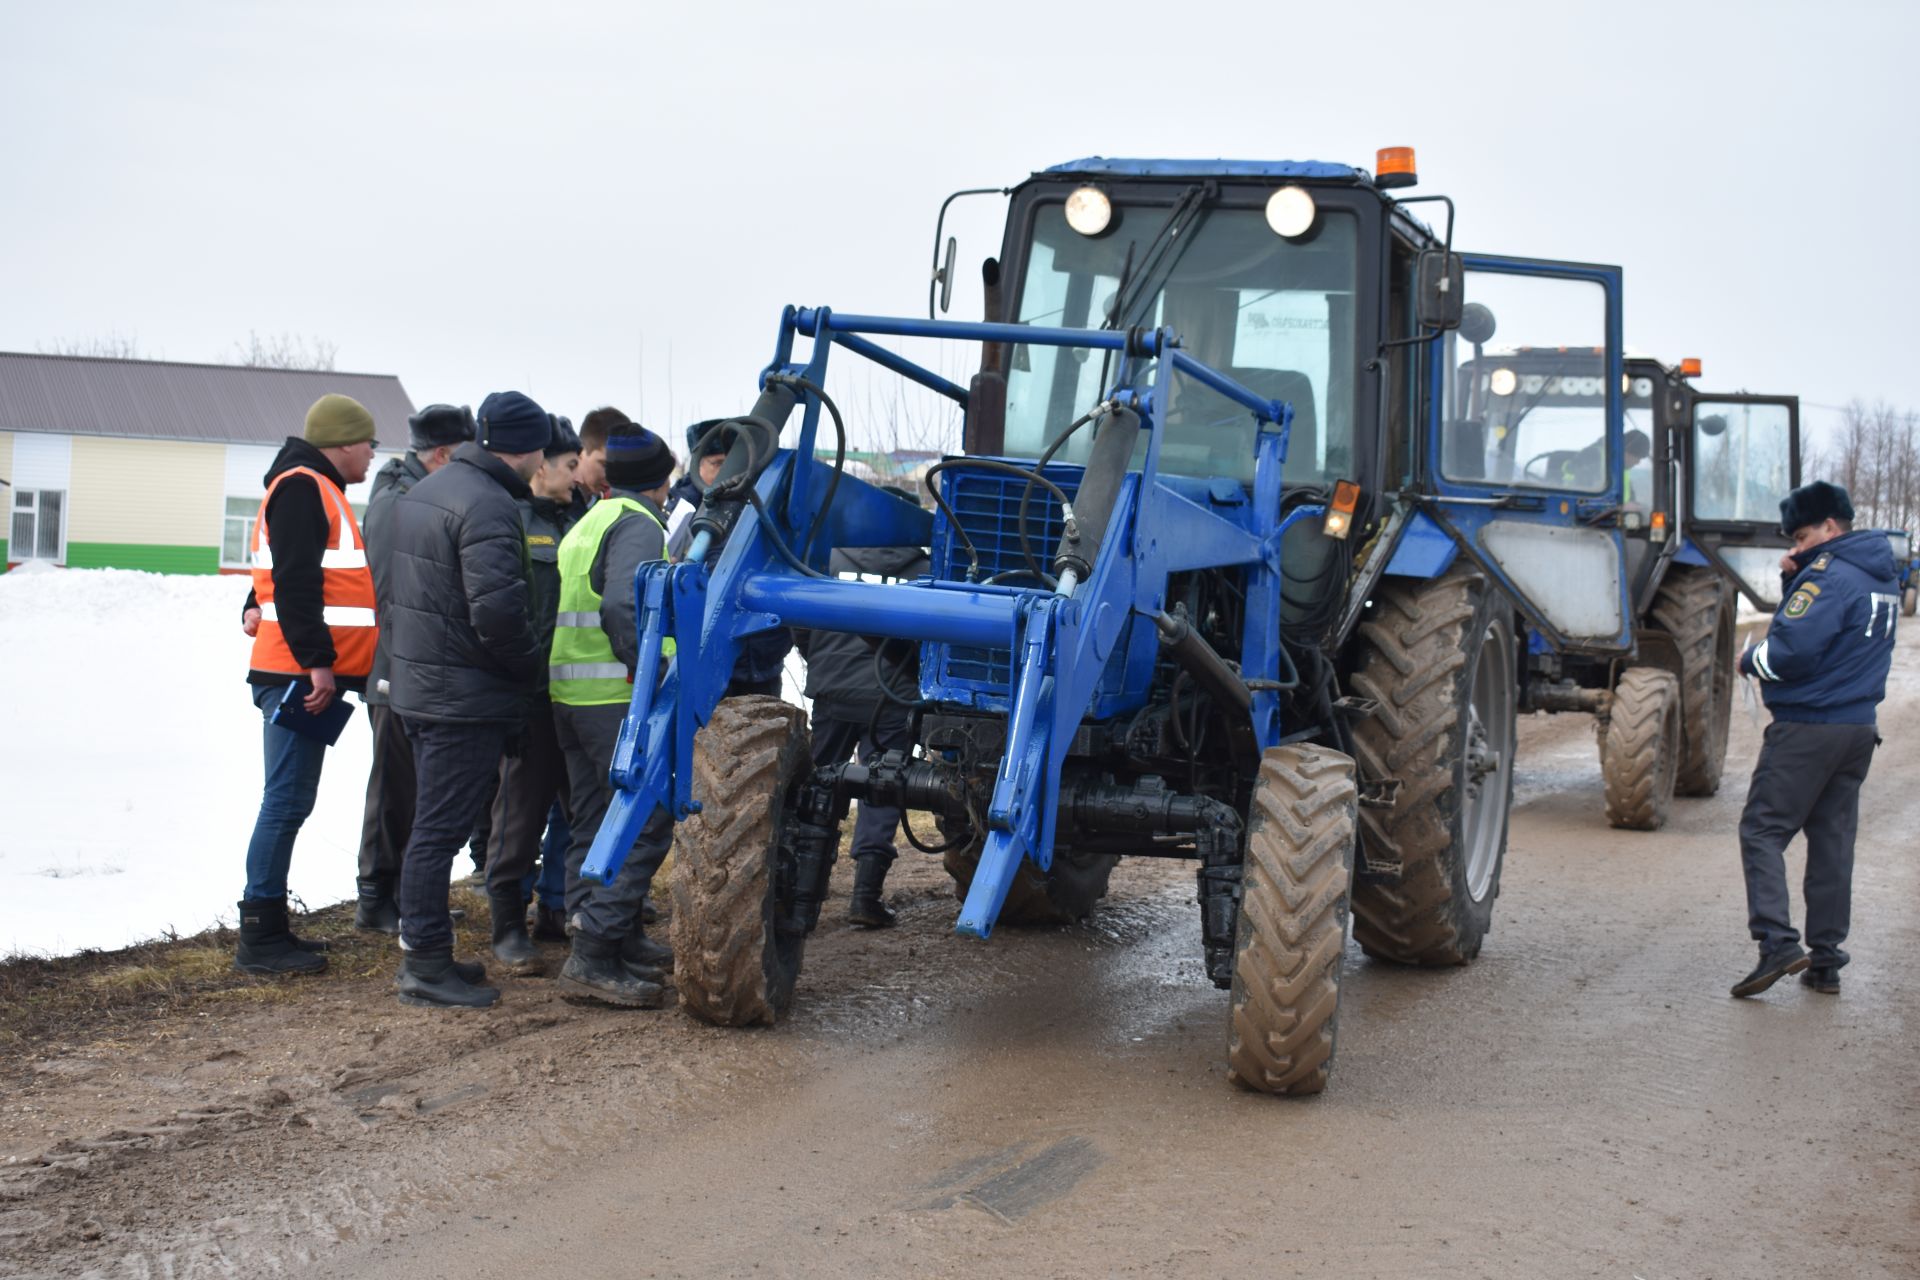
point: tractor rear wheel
(733, 965)
(1438, 658)
(1292, 930)
(1640, 746)
(1695, 606)
(1064, 893)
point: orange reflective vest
(346, 593)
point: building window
(39, 527)
(236, 539)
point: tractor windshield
(1276, 315)
(1540, 420)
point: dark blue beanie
(513, 423)
(1812, 503)
(637, 459)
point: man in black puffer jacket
(466, 661)
(851, 714)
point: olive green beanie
(338, 420)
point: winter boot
(866, 907)
(377, 912)
(266, 945)
(638, 948)
(594, 970)
(511, 945)
(471, 972)
(432, 979)
(549, 924)
(634, 949)
(648, 915)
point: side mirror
(1442, 289)
(944, 276)
(1477, 324)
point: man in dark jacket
(533, 780)
(311, 619)
(465, 664)
(596, 650)
(851, 712)
(432, 434)
(1822, 670)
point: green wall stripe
(129, 555)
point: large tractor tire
(1696, 606)
(1909, 599)
(1064, 893)
(1439, 659)
(1292, 931)
(1640, 748)
(732, 966)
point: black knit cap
(565, 438)
(1812, 503)
(439, 424)
(638, 459)
(511, 422)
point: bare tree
(285, 351)
(1875, 456)
(112, 346)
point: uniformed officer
(1822, 670)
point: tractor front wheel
(734, 964)
(1640, 747)
(1292, 929)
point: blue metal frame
(1060, 644)
(1464, 508)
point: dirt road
(1583, 1101)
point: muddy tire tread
(1691, 606)
(726, 966)
(1292, 928)
(1637, 756)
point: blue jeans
(293, 779)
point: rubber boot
(430, 978)
(376, 911)
(266, 945)
(638, 948)
(866, 907)
(550, 924)
(511, 945)
(594, 970)
(634, 949)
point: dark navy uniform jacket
(1825, 658)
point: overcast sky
(610, 203)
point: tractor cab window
(1534, 416)
(1275, 315)
(1742, 461)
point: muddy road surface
(1585, 1100)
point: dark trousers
(1807, 779)
(482, 834)
(293, 763)
(529, 784)
(452, 764)
(607, 911)
(834, 742)
(389, 814)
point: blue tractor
(1905, 562)
(1212, 580)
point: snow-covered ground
(130, 762)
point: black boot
(648, 915)
(431, 978)
(266, 944)
(511, 945)
(550, 924)
(594, 970)
(638, 948)
(376, 911)
(869, 882)
(634, 950)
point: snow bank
(130, 765)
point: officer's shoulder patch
(1798, 603)
(1822, 560)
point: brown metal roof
(162, 400)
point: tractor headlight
(1502, 382)
(1089, 211)
(1290, 212)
